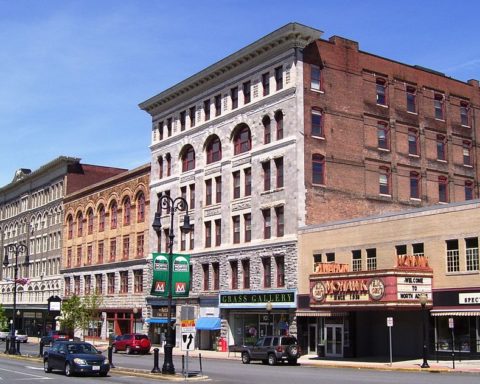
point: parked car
(4, 333)
(21, 335)
(73, 357)
(52, 336)
(272, 349)
(132, 342)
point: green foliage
(78, 312)
(3, 318)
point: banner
(180, 275)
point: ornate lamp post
(170, 205)
(269, 307)
(423, 298)
(15, 250)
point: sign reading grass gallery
(281, 299)
(180, 275)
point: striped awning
(434, 312)
(320, 314)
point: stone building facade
(31, 212)
(105, 249)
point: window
(100, 253)
(442, 189)
(70, 227)
(141, 208)
(330, 257)
(218, 189)
(208, 234)
(383, 133)
(126, 247)
(160, 167)
(218, 232)
(191, 234)
(113, 249)
(413, 148)
(441, 148)
(381, 86)
(126, 211)
(236, 184)
(160, 130)
(401, 250)
(113, 218)
(371, 259)
(317, 123)
(279, 121)
(266, 83)
(318, 169)
(279, 211)
(411, 99)
(191, 113)
(266, 175)
(280, 262)
(89, 254)
(68, 288)
(88, 284)
(216, 276)
(99, 284)
(169, 126)
(79, 255)
(267, 223)
(192, 196)
(471, 251)
(208, 192)
(80, 225)
(218, 105)
(453, 256)
(234, 272)
(246, 273)
(183, 192)
(357, 260)
(279, 166)
(214, 150)
(438, 103)
(247, 219)
(247, 172)
(384, 181)
(242, 141)
(140, 245)
(236, 229)
(234, 97)
(279, 78)
(246, 92)
(110, 283)
(168, 157)
(266, 130)
(206, 109)
(414, 185)
(183, 120)
(467, 148)
(76, 285)
(124, 282)
(468, 190)
(183, 241)
(206, 277)
(315, 77)
(138, 281)
(188, 159)
(464, 113)
(90, 221)
(267, 272)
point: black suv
(271, 349)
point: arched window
(80, 224)
(160, 167)
(101, 218)
(214, 150)
(113, 215)
(242, 140)
(70, 226)
(126, 211)
(141, 207)
(90, 221)
(279, 121)
(168, 158)
(318, 169)
(267, 134)
(188, 159)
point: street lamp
(269, 307)
(423, 298)
(135, 312)
(171, 206)
(15, 249)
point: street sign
(188, 341)
(450, 323)
(389, 321)
(188, 326)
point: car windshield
(140, 337)
(82, 348)
(289, 341)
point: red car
(132, 342)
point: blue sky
(72, 73)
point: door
(312, 338)
(334, 340)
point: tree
(3, 318)
(91, 305)
(79, 312)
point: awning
(434, 312)
(320, 314)
(208, 323)
(157, 320)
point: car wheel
(272, 359)
(114, 349)
(128, 351)
(292, 361)
(245, 358)
(292, 351)
(46, 368)
(68, 370)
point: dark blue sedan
(75, 357)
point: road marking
(31, 376)
(35, 368)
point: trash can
(320, 350)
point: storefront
(255, 314)
(456, 321)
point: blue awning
(208, 323)
(157, 320)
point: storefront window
(249, 328)
(461, 334)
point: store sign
(469, 298)
(257, 299)
(412, 261)
(331, 268)
(348, 290)
(410, 287)
(180, 275)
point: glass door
(334, 340)
(312, 338)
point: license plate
(95, 368)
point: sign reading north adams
(180, 275)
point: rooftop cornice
(292, 35)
